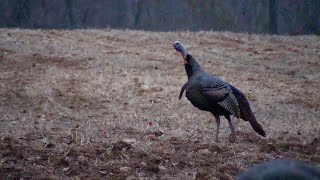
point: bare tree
(273, 17)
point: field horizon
(78, 104)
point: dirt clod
(119, 147)
(268, 148)
(202, 175)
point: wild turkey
(210, 93)
(281, 169)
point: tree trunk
(273, 17)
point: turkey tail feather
(246, 113)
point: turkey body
(194, 93)
(281, 169)
(210, 93)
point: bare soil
(103, 104)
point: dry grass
(93, 103)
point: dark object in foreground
(281, 169)
(210, 93)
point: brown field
(103, 104)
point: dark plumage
(210, 93)
(281, 169)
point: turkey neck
(192, 66)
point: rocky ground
(104, 104)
